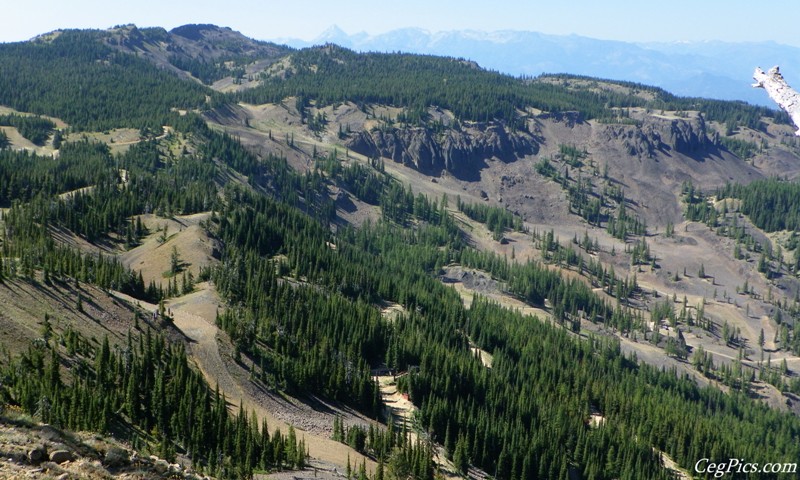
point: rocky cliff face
(464, 151)
(458, 151)
(687, 136)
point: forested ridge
(59, 73)
(303, 297)
(224, 54)
(331, 74)
(152, 387)
(90, 86)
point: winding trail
(194, 316)
(403, 412)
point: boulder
(116, 457)
(161, 466)
(60, 456)
(37, 455)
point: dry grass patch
(153, 258)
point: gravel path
(212, 353)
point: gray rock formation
(457, 151)
(683, 135)
(688, 136)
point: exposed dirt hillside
(25, 304)
(181, 235)
(648, 159)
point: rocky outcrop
(633, 139)
(569, 119)
(455, 150)
(116, 457)
(685, 135)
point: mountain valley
(405, 266)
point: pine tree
(292, 453)
(379, 471)
(47, 328)
(53, 375)
(174, 261)
(460, 456)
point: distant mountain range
(698, 69)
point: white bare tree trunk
(779, 91)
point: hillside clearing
(182, 234)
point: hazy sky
(628, 20)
